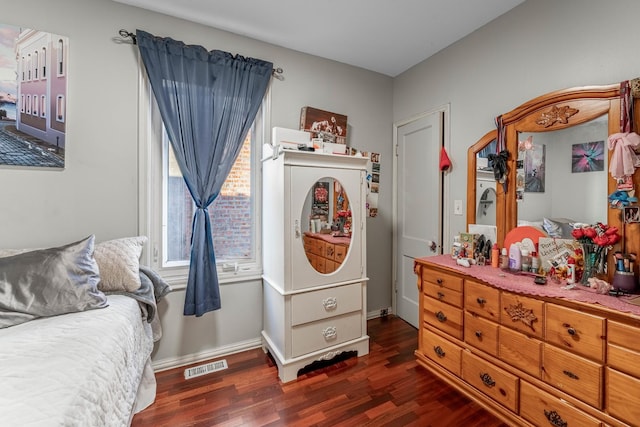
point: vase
(592, 258)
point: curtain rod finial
(127, 34)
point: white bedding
(77, 369)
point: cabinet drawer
(314, 336)
(500, 385)
(623, 396)
(440, 278)
(482, 300)
(542, 409)
(522, 313)
(573, 374)
(520, 350)
(329, 251)
(623, 335)
(575, 331)
(316, 305)
(481, 333)
(340, 253)
(443, 316)
(443, 294)
(441, 351)
(623, 359)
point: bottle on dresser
(515, 257)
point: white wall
(97, 191)
(538, 47)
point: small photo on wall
(587, 157)
(631, 214)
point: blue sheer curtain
(208, 102)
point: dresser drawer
(442, 279)
(481, 333)
(443, 316)
(542, 409)
(496, 383)
(483, 300)
(522, 313)
(443, 294)
(575, 331)
(316, 305)
(441, 351)
(573, 374)
(340, 253)
(520, 350)
(623, 396)
(623, 348)
(314, 336)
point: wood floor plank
(384, 388)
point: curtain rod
(275, 72)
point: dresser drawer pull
(479, 334)
(487, 380)
(571, 375)
(330, 333)
(439, 281)
(441, 316)
(571, 331)
(439, 351)
(440, 295)
(555, 419)
(481, 301)
(330, 303)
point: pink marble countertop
(524, 284)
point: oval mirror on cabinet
(326, 224)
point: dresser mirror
(482, 191)
(326, 225)
(565, 122)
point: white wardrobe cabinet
(314, 278)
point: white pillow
(119, 263)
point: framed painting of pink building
(33, 97)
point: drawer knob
(571, 375)
(571, 331)
(487, 380)
(330, 303)
(479, 334)
(439, 281)
(439, 351)
(440, 295)
(555, 419)
(441, 316)
(330, 333)
(481, 300)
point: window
(35, 105)
(60, 108)
(28, 104)
(60, 57)
(44, 62)
(235, 214)
(43, 106)
(35, 65)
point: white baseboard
(170, 363)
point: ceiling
(384, 36)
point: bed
(90, 365)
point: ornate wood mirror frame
(553, 111)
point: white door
(419, 205)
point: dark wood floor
(384, 388)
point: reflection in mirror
(562, 174)
(326, 225)
(485, 187)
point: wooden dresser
(325, 253)
(532, 355)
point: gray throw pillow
(48, 282)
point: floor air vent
(205, 369)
